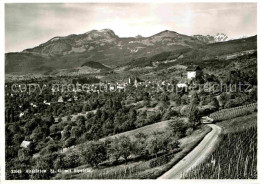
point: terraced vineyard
(233, 112)
(235, 158)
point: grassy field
(148, 130)
(141, 169)
(236, 156)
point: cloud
(28, 25)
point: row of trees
(96, 153)
(122, 148)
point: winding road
(196, 156)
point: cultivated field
(236, 156)
(233, 112)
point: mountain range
(219, 37)
(102, 46)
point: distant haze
(28, 25)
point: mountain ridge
(104, 35)
(102, 46)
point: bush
(69, 142)
(94, 153)
(72, 160)
(140, 122)
(159, 161)
(178, 127)
(189, 131)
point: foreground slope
(196, 156)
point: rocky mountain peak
(219, 37)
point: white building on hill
(193, 72)
(25, 144)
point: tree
(30, 125)
(59, 119)
(95, 153)
(230, 103)
(154, 117)
(17, 139)
(116, 104)
(85, 108)
(176, 98)
(24, 154)
(215, 103)
(189, 131)
(54, 128)
(104, 116)
(193, 114)
(223, 98)
(195, 99)
(253, 94)
(147, 103)
(114, 150)
(164, 142)
(168, 114)
(164, 97)
(184, 99)
(132, 115)
(168, 141)
(50, 148)
(173, 143)
(14, 128)
(37, 134)
(154, 145)
(66, 132)
(125, 147)
(59, 162)
(71, 160)
(51, 120)
(75, 132)
(139, 145)
(177, 126)
(69, 142)
(43, 163)
(69, 118)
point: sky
(28, 25)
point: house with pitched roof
(193, 72)
(25, 144)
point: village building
(25, 144)
(193, 72)
(60, 100)
(21, 114)
(182, 83)
(134, 81)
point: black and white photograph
(130, 91)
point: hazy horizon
(29, 25)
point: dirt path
(196, 156)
